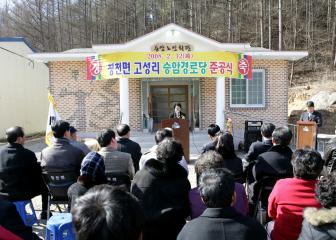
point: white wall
(23, 90)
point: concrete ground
(146, 141)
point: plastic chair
(27, 212)
(59, 227)
(58, 184)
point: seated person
(92, 173)
(212, 160)
(291, 196)
(275, 163)
(11, 221)
(115, 161)
(258, 148)
(20, 173)
(213, 131)
(329, 156)
(106, 213)
(225, 148)
(61, 155)
(220, 220)
(75, 143)
(125, 144)
(321, 223)
(159, 136)
(162, 188)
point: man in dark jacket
(61, 155)
(11, 221)
(162, 188)
(20, 174)
(220, 220)
(125, 144)
(275, 163)
(311, 114)
(256, 149)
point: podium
(306, 134)
(180, 132)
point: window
(249, 93)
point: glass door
(162, 100)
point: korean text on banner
(168, 65)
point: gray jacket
(116, 161)
(81, 146)
(319, 224)
(61, 156)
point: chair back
(118, 179)
(59, 182)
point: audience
(162, 187)
(159, 136)
(115, 161)
(75, 143)
(320, 224)
(225, 148)
(11, 221)
(220, 220)
(212, 160)
(20, 174)
(105, 213)
(92, 173)
(275, 163)
(125, 144)
(213, 131)
(329, 156)
(217, 206)
(291, 195)
(61, 155)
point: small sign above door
(163, 47)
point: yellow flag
(53, 116)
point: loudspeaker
(252, 133)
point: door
(162, 100)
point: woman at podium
(177, 112)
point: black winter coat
(276, 163)
(20, 174)
(222, 224)
(163, 194)
(131, 147)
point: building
(93, 105)
(23, 91)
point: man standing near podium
(311, 114)
(177, 112)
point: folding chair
(267, 184)
(58, 184)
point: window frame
(247, 105)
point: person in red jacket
(290, 196)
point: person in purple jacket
(213, 160)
